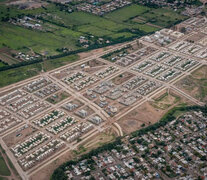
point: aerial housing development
(133, 110)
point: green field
(17, 38)
(126, 13)
(64, 29)
(2, 64)
(113, 25)
(4, 170)
(162, 17)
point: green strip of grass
(4, 170)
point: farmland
(126, 13)
(17, 38)
(63, 29)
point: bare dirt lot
(45, 173)
(164, 100)
(58, 97)
(97, 140)
(19, 135)
(195, 84)
(121, 78)
(196, 37)
(150, 111)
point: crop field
(162, 17)
(17, 38)
(126, 13)
(64, 29)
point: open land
(196, 84)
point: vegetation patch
(4, 170)
(58, 97)
(195, 84)
(166, 100)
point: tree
(59, 174)
(183, 30)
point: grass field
(18, 37)
(162, 17)
(126, 13)
(195, 84)
(2, 64)
(166, 100)
(4, 170)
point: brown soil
(46, 172)
(196, 37)
(18, 135)
(121, 78)
(147, 114)
(195, 84)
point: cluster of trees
(24, 63)
(5, 63)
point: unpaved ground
(100, 139)
(93, 52)
(100, 50)
(18, 135)
(165, 100)
(144, 114)
(14, 175)
(195, 84)
(46, 172)
(121, 78)
(196, 37)
(147, 114)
